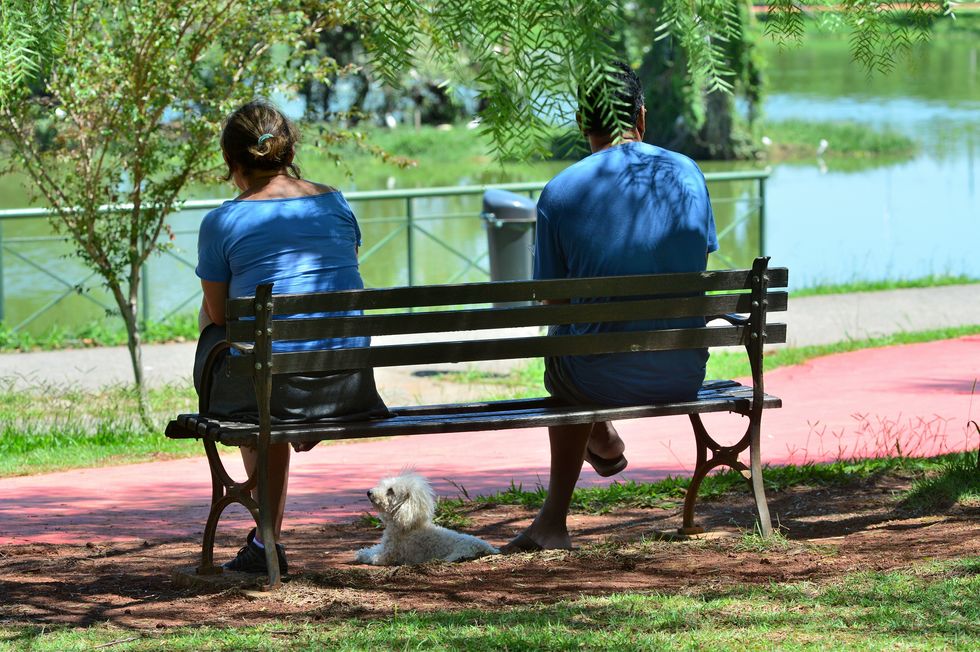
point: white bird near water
(822, 147)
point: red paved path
(918, 396)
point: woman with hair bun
(303, 237)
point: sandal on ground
(603, 466)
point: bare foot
(536, 538)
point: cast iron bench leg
(758, 488)
(728, 456)
(224, 492)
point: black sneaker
(251, 558)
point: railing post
(410, 224)
(762, 216)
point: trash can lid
(507, 206)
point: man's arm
(215, 294)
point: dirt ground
(829, 532)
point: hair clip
(264, 137)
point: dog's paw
(365, 556)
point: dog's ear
(418, 506)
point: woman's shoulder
(322, 188)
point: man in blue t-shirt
(629, 208)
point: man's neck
(599, 142)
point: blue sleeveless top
(301, 244)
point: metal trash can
(509, 219)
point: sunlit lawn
(927, 607)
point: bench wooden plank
(503, 349)
(508, 291)
(488, 318)
(493, 415)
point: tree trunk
(702, 124)
(129, 309)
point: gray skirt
(342, 396)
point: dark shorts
(560, 384)
(344, 396)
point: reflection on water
(829, 221)
(832, 223)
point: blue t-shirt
(301, 244)
(628, 209)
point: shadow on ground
(829, 531)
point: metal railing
(412, 224)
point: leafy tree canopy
(524, 56)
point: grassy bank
(933, 280)
(794, 140)
(930, 606)
(180, 328)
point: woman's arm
(215, 294)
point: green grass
(933, 606)
(957, 481)
(179, 328)
(799, 139)
(669, 492)
(879, 286)
(52, 428)
(429, 156)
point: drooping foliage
(526, 57)
(31, 34)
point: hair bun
(258, 136)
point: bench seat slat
(491, 415)
(522, 347)
(508, 291)
(484, 318)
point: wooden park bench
(254, 323)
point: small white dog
(406, 505)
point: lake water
(830, 221)
(902, 220)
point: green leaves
(526, 57)
(132, 109)
(30, 36)
(880, 33)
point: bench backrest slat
(502, 349)
(509, 291)
(483, 318)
